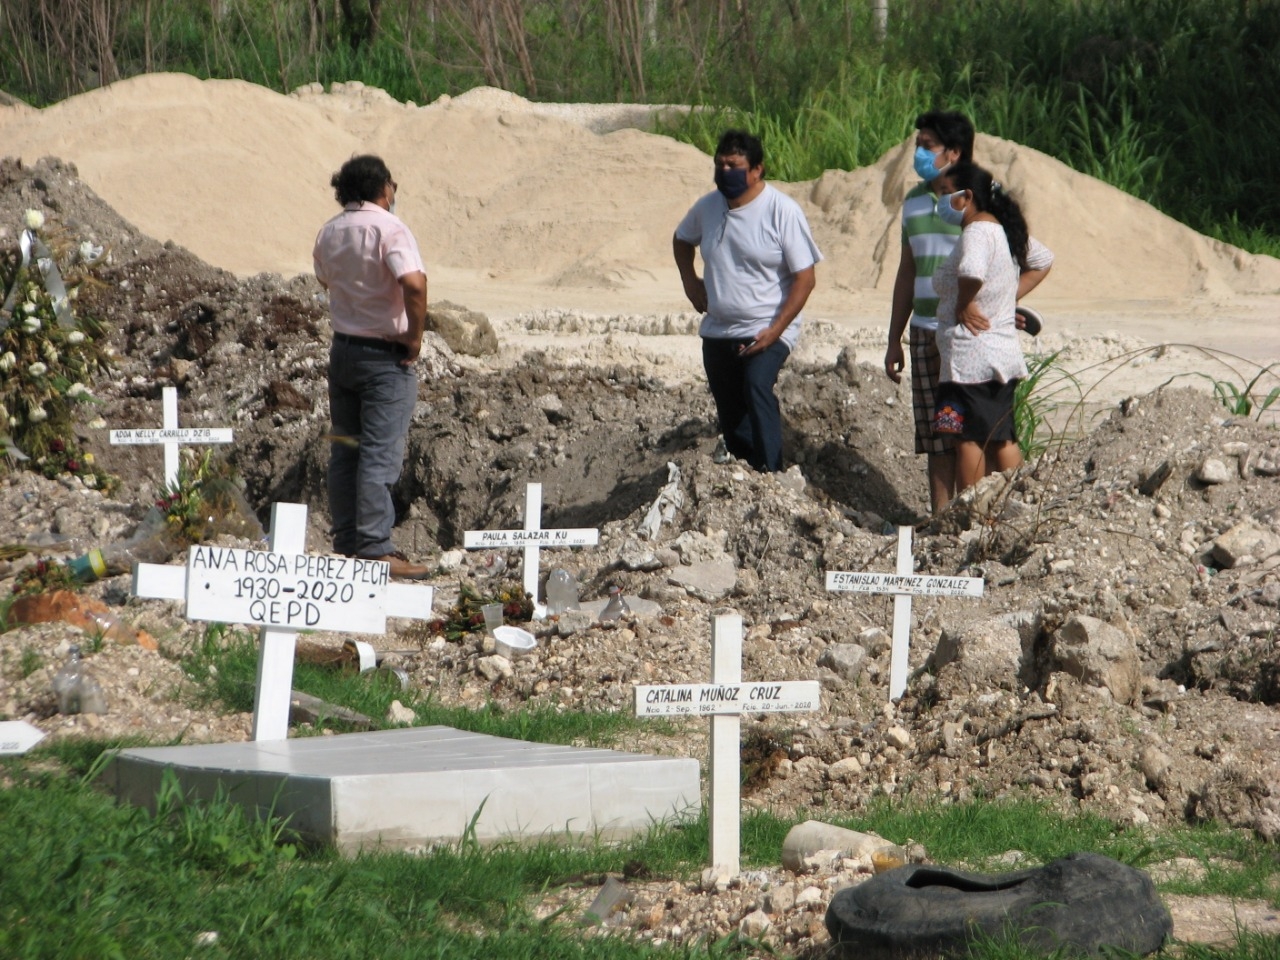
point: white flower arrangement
(37, 369)
(33, 219)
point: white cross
(171, 436)
(724, 700)
(903, 584)
(531, 539)
(282, 590)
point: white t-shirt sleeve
(799, 250)
(690, 228)
(976, 251)
(1039, 257)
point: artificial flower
(50, 352)
(97, 423)
(75, 336)
(33, 219)
(28, 307)
(39, 415)
(31, 324)
(37, 369)
(77, 390)
(7, 361)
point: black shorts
(980, 412)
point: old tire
(1081, 904)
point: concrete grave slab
(406, 788)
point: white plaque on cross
(903, 584)
(283, 590)
(171, 436)
(725, 700)
(531, 539)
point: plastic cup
(492, 616)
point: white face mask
(949, 214)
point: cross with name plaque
(283, 590)
(531, 539)
(725, 700)
(171, 436)
(903, 584)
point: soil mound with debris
(1124, 654)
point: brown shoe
(402, 567)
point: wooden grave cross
(171, 436)
(904, 583)
(531, 539)
(283, 590)
(725, 700)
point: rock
(494, 668)
(465, 331)
(844, 659)
(1098, 654)
(638, 555)
(754, 923)
(875, 640)
(897, 738)
(809, 896)
(695, 547)
(575, 621)
(1154, 765)
(984, 652)
(809, 837)
(791, 479)
(709, 581)
(844, 770)
(1244, 540)
(399, 713)
(1212, 471)
(780, 899)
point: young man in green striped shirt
(942, 140)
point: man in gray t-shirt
(758, 262)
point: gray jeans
(371, 400)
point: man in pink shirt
(369, 262)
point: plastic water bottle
(75, 688)
(562, 592)
(617, 607)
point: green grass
(86, 877)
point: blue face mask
(731, 182)
(926, 164)
(949, 214)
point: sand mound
(513, 192)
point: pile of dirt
(497, 188)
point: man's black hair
(742, 143)
(954, 131)
(361, 180)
